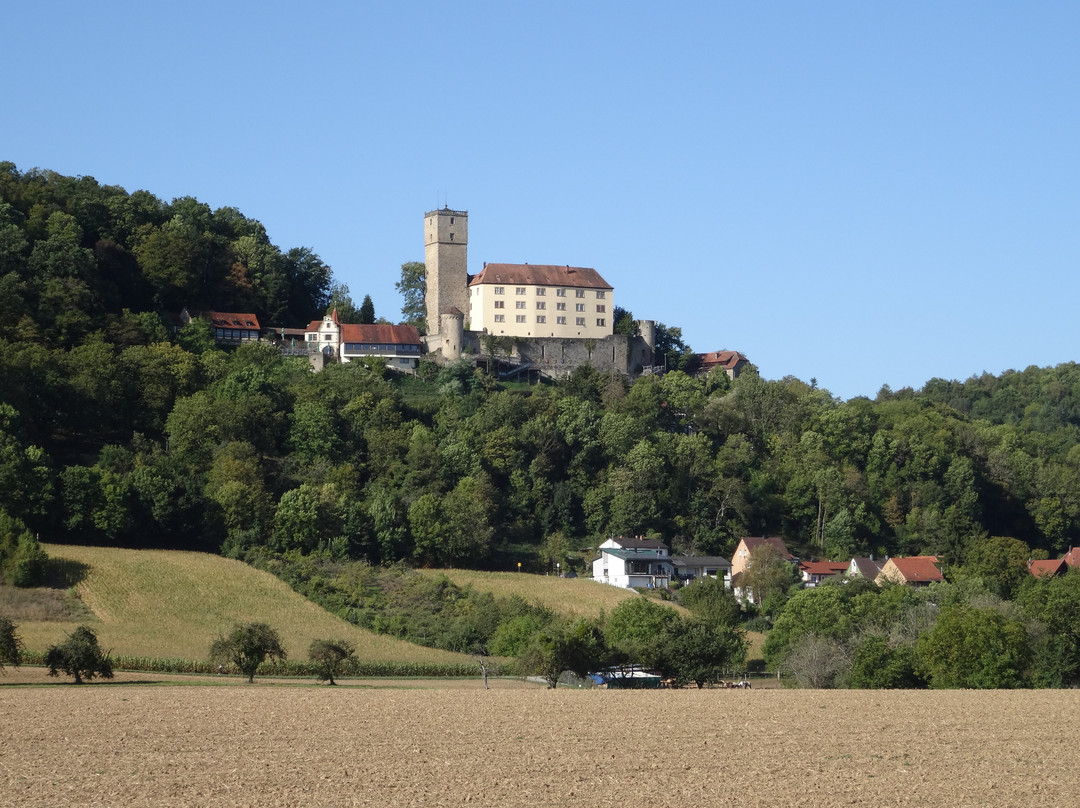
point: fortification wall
(556, 357)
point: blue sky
(862, 193)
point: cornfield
(169, 605)
(567, 596)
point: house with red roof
(230, 327)
(400, 345)
(814, 573)
(731, 362)
(911, 571)
(1072, 558)
(1048, 568)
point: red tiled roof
(1048, 568)
(540, 275)
(1072, 558)
(230, 319)
(824, 567)
(384, 334)
(389, 334)
(725, 359)
(753, 542)
(917, 569)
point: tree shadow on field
(64, 573)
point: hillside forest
(116, 429)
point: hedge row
(299, 668)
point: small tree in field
(10, 644)
(79, 656)
(330, 656)
(247, 646)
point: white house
(400, 345)
(633, 563)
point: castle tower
(446, 239)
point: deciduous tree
(79, 656)
(331, 656)
(247, 646)
(10, 644)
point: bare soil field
(136, 745)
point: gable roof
(540, 275)
(915, 569)
(231, 319)
(724, 359)
(1072, 558)
(384, 334)
(753, 542)
(866, 567)
(1047, 568)
(823, 567)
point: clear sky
(864, 193)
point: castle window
(560, 306)
(579, 307)
(560, 320)
(500, 318)
(451, 236)
(540, 304)
(540, 318)
(519, 318)
(519, 304)
(451, 220)
(600, 295)
(500, 290)
(581, 321)
(560, 293)
(500, 304)
(579, 293)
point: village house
(331, 340)
(741, 560)
(731, 362)
(693, 568)
(814, 573)
(633, 563)
(230, 328)
(867, 568)
(1048, 568)
(911, 571)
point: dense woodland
(115, 430)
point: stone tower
(446, 239)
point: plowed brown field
(134, 745)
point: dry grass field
(567, 596)
(161, 603)
(133, 745)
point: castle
(543, 317)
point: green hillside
(162, 603)
(566, 596)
